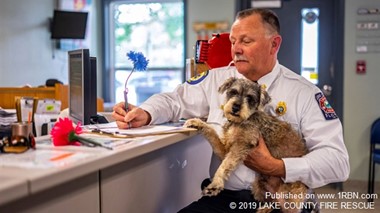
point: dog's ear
(227, 84)
(264, 98)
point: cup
(24, 129)
(22, 138)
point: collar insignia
(281, 108)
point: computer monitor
(82, 86)
(68, 25)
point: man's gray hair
(269, 18)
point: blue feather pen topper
(140, 63)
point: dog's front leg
(210, 134)
(236, 155)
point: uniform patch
(198, 78)
(325, 107)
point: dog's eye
(232, 92)
(249, 98)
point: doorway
(312, 45)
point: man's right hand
(135, 117)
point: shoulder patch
(325, 107)
(198, 78)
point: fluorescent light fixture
(266, 3)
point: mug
(22, 138)
(24, 129)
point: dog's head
(243, 98)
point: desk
(155, 174)
(12, 188)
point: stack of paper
(7, 117)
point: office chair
(374, 155)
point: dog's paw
(212, 189)
(195, 123)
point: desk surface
(12, 187)
(17, 182)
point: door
(312, 46)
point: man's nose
(236, 49)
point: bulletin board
(368, 30)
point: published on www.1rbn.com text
(322, 201)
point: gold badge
(281, 108)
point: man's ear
(264, 98)
(227, 84)
(276, 43)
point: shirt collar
(269, 78)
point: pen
(126, 104)
(89, 142)
(126, 99)
(112, 134)
(139, 63)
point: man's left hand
(261, 160)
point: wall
(361, 92)
(27, 54)
(209, 11)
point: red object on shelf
(215, 52)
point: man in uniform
(255, 39)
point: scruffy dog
(245, 101)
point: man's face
(253, 49)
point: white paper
(144, 130)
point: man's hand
(135, 117)
(260, 160)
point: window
(309, 43)
(154, 28)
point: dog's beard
(236, 116)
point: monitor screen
(82, 86)
(68, 25)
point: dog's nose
(235, 108)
